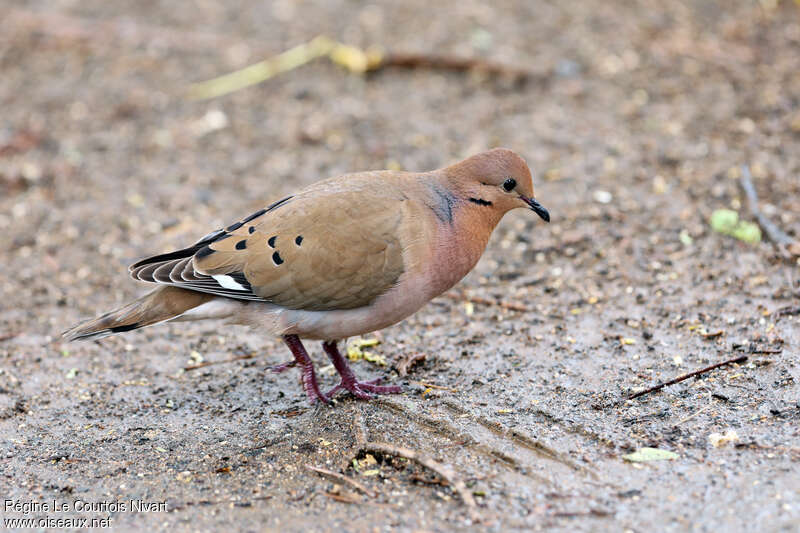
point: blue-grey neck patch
(442, 203)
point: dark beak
(537, 208)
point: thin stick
(353, 59)
(342, 479)
(209, 363)
(263, 70)
(684, 377)
(452, 63)
(774, 233)
(444, 472)
(433, 386)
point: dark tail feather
(159, 305)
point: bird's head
(498, 179)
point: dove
(343, 257)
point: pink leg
(360, 389)
(309, 377)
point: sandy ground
(636, 123)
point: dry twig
(432, 386)
(341, 478)
(444, 472)
(351, 58)
(740, 359)
(774, 233)
(452, 63)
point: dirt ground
(636, 123)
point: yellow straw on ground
(263, 70)
(353, 59)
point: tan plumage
(345, 256)
(339, 263)
(164, 303)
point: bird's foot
(364, 390)
(277, 369)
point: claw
(277, 369)
(364, 390)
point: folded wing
(333, 250)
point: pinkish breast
(457, 249)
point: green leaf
(643, 455)
(724, 220)
(747, 232)
(727, 222)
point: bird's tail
(162, 304)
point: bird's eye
(509, 184)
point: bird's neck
(463, 231)
(473, 212)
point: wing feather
(335, 248)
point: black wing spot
(251, 229)
(121, 329)
(298, 240)
(241, 245)
(271, 241)
(234, 227)
(277, 259)
(240, 278)
(480, 201)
